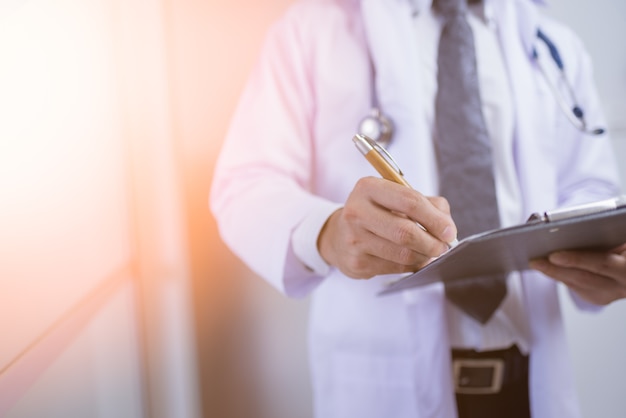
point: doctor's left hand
(599, 277)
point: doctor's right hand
(377, 231)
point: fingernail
(559, 258)
(449, 235)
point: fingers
(394, 236)
(380, 242)
(432, 213)
(379, 230)
(609, 264)
(440, 203)
(363, 265)
(594, 276)
(411, 249)
(620, 250)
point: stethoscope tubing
(573, 113)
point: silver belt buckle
(478, 376)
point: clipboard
(598, 225)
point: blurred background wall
(117, 297)
(95, 306)
(251, 340)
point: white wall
(251, 340)
(97, 375)
(65, 221)
(94, 301)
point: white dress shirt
(508, 324)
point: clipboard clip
(579, 210)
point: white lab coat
(289, 153)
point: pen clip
(383, 153)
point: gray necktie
(464, 154)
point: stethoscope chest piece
(377, 127)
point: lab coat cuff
(305, 235)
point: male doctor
(298, 203)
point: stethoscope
(379, 127)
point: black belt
(491, 383)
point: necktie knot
(449, 8)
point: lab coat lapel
(391, 39)
(389, 33)
(393, 48)
(532, 128)
(551, 387)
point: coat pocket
(370, 385)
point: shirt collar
(419, 5)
